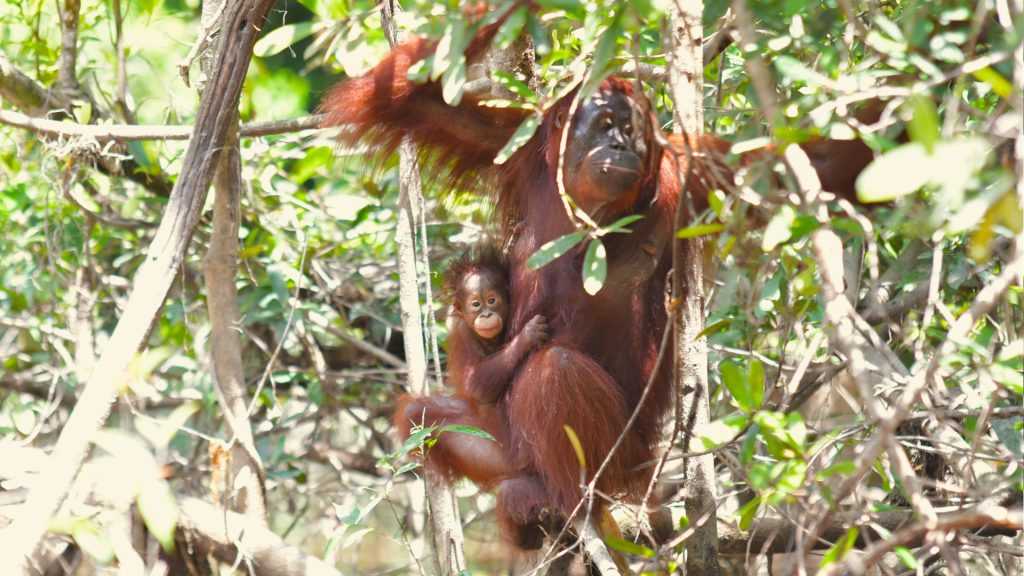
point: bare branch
(135, 133)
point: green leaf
(627, 547)
(748, 512)
(619, 224)
(906, 556)
(595, 267)
(999, 84)
(779, 228)
(745, 146)
(518, 87)
(408, 467)
(716, 200)
(714, 327)
(909, 167)
(93, 542)
(838, 550)
(159, 511)
(886, 46)
(283, 37)
(159, 433)
(541, 40)
(924, 122)
(450, 49)
(355, 536)
(453, 82)
(469, 430)
(521, 136)
(699, 230)
(756, 379)
(555, 248)
(511, 28)
(842, 468)
(736, 382)
(571, 6)
(793, 69)
(604, 53)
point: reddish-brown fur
(604, 347)
(480, 370)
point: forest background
(98, 100)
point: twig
(135, 133)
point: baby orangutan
(482, 359)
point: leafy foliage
(318, 281)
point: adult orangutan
(604, 347)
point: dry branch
(135, 133)
(23, 537)
(776, 535)
(226, 535)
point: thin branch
(135, 133)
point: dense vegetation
(932, 266)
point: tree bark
(243, 489)
(686, 71)
(449, 557)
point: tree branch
(22, 539)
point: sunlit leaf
(577, 446)
(94, 542)
(355, 536)
(736, 382)
(699, 230)
(160, 433)
(281, 38)
(521, 136)
(518, 87)
(999, 84)
(719, 431)
(794, 69)
(906, 556)
(453, 82)
(924, 122)
(604, 52)
(595, 267)
(778, 229)
(554, 248)
(468, 430)
(511, 28)
(909, 167)
(450, 48)
(627, 547)
(159, 511)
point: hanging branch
(245, 489)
